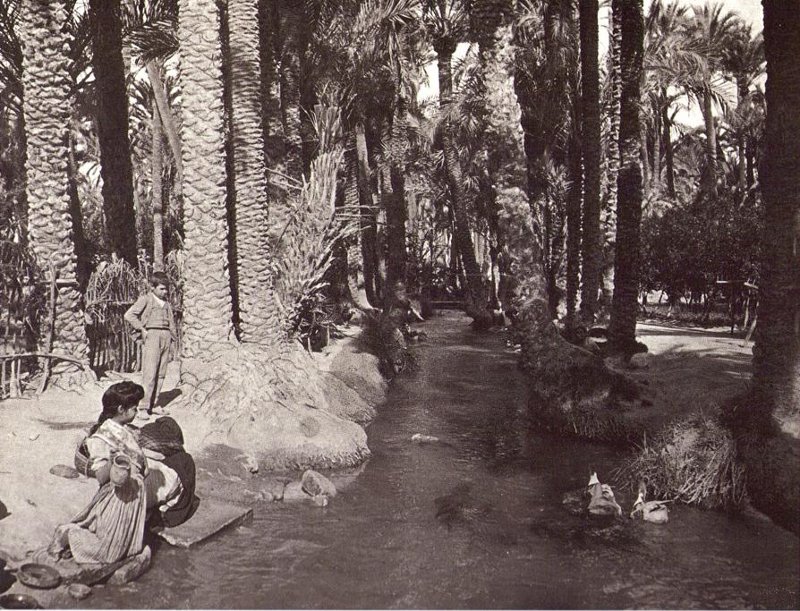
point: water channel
(502, 538)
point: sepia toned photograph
(399, 304)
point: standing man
(152, 315)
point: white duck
(602, 502)
(656, 512)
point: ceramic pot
(120, 469)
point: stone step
(212, 517)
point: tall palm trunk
(609, 208)
(268, 20)
(157, 190)
(292, 37)
(622, 330)
(656, 178)
(711, 142)
(772, 460)
(208, 312)
(669, 161)
(574, 190)
(743, 103)
(396, 202)
(47, 106)
(258, 319)
(612, 154)
(777, 353)
(368, 222)
(590, 112)
(112, 122)
(168, 123)
(477, 299)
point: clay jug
(120, 469)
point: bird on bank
(601, 502)
(656, 512)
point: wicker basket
(82, 459)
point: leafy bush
(303, 252)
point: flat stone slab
(212, 517)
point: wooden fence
(113, 343)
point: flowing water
(502, 537)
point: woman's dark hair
(120, 395)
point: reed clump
(693, 461)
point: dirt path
(688, 369)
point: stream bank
(471, 519)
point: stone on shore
(294, 492)
(358, 369)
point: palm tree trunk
(590, 136)
(573, 221)
(47, 106)
(777, 353)
(668, 151)
(645, 154)
(622, 330)
(771, 457)
(612, 168)
(112, 121)
(476, 299)
(258, 318)
(396, 202)
(168, 122)
(292, 37)
(656, 181)
(157, 190)
(207, 302)
(711, 143)
(368, 225)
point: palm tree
(711, 29)
(744, 61)
(446, 23)
(292, 39)
(622, 329)
(47, 108)
(208, 312)
(112, 127)
(776, 362)
(258, 320)
(590, 112)
(671, 65)
(502, 135)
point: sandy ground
(684, 369)
(687, 369)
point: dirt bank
(38, 433)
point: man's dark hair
(157, 278)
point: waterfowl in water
(602, 502)
(656, 512)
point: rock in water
(320, 500)
(317, 484)
(79, 591)
(133, 569)
(420, 438)
(294, 492)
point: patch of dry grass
(692, 461)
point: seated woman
(163, 440)
(111, 527)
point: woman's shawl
(115, 437)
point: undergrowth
(692, 461)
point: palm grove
(281, 154)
